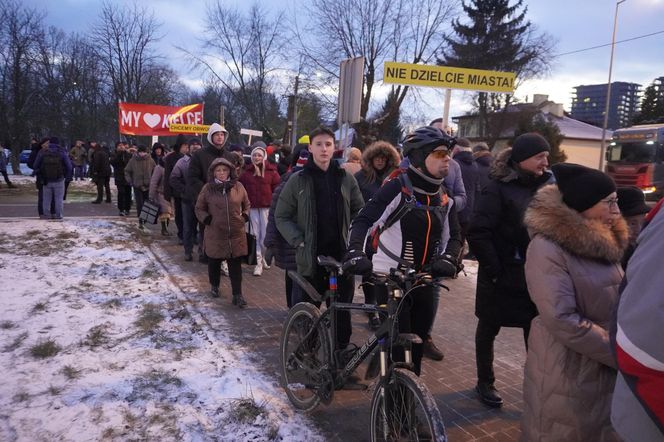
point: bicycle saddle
(328, 262)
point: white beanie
(214, 128)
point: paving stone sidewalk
(346, 419)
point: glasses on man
(439, 154)
(611, 202)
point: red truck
(635, 157)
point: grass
(39, 307)
(67, 235)
(45, 349)
(155, 385)
(16, 343)
(54, 391)
(70, 372)
(149, 318)
(97, 336)
(6, 325)
(246, 410)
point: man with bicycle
(410, 223)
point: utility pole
(221, 115)
(294, 126)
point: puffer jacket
(260, 188)
(573, 273)
(370, 180)
(157, 191)
(100, 167)
(138, 171)
(224, 208)
(499, 239)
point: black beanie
(632, 201)
(581, 186)
(528, 145)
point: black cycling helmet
(421, 142)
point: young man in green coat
(314, 213)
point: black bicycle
(402, 408)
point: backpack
(407, 204)
(51, 168)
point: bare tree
(124, 41)
(243, 55)
(20, 34)
(410, 31)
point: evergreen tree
(548, 129)
(648, 106)
(389, 124)
(498, 37)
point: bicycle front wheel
(402, 409)
(303, 356)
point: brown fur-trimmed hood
(380, 148)
(548, 216)
(500, 168)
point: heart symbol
(151, 119)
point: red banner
(150, 119)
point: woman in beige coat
(573, 272)
(157, 195)
(223, 206)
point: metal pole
(602, 151)
(446, 110)
(294, 125)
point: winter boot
(488, 394)
(239, 301)
(141, 224)
(164, 228)
(214, 291)
(431, 351)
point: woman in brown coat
(223, 206)
(573, 272)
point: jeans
(190, 228)
(141, 196)
(79, 172)
(485, 335)
(258, 218)
(346, 289)
(54, 191)
(124, 197)
(234, 272)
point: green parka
(295, 215)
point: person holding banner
(200, 163)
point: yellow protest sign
(448, 77)
(189, 128)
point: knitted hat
(528, 145)
(258, 148)
(194, 140)
(632, 201)
(581, 186)
(481, 147)
(258, 144)
(302, 158)
(142, 148)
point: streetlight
(602, 153)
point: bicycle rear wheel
(302, 356)
(402, 409)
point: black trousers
(103, 183)
(124, 197)
(346, 289)
(485, 335)
(141, 196)
(6, 177)
(178, 216)
(234, 272)
(289, 290)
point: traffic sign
(448, 77)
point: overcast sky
(575, 24)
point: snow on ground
(96, 343)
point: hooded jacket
(138, 171)
(370, 180)
(224, 208)
(197, 174)
(499, 239)
(573, 273)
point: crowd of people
(552, 245)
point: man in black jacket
(119, 161)
(100, 172)
(499, 240)
(180, 147)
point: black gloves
(207, 220)
(444, 266)
(356, 262)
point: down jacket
(138, 171)
(573, 273)
(370, 180)
(499, 239)
(260, 188)
(224, 209)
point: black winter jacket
(119, 161)
(197, 174)
(499, 239)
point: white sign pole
(155, 139)
(446, 111)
